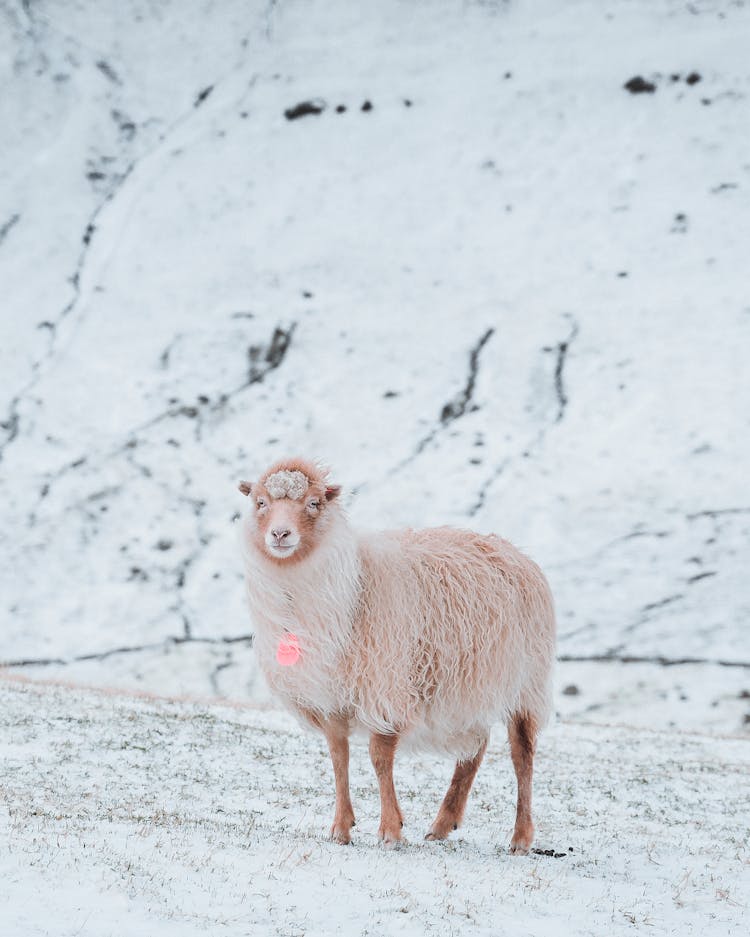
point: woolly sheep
(420, 637)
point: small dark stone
(164, 545)
(407, 102)
(95, 176)
(106, 69)
(367, 106)
(307, 294)
(341, 109)
(571, 690)
(390, 394)
(202, 95)
(675, 76)
(622, 274)
(639, 85)
(203, 399)
(508, 75)
(304, 108)
(693, 78)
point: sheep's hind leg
(382, 754)
(337, 736)
(454, 803)
(522, 732)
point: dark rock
(304, 109)
(639, 85)
(202, 95)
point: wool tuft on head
(286, 484)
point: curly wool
(287, 484)
(433, 635)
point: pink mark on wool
(287, 653)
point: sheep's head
(289, 509)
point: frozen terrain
(134, 816)
(509, 293)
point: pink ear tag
(287, 653)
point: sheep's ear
(332, 491)
(245, 487)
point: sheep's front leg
(382, 753)
(522, 735)
(337, 736)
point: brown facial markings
(299, 516)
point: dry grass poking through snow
(130, 816)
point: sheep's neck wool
(287, 485)
(287, 653)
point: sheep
(417, 637)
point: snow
(184, 818)
(509, 295)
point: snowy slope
(511, 295)
(134, 816)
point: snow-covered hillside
(135, 816)
(486, 282)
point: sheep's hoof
(518, 850)
(340, 834)
(341, 837)
(440, 831)
(391, 839)
(521, 842)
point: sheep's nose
(280, 533)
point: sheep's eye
(313, 505)
(260, 503)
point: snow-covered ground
(509, 294)
(130, 816)
(492, 287)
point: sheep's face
(286, 519)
